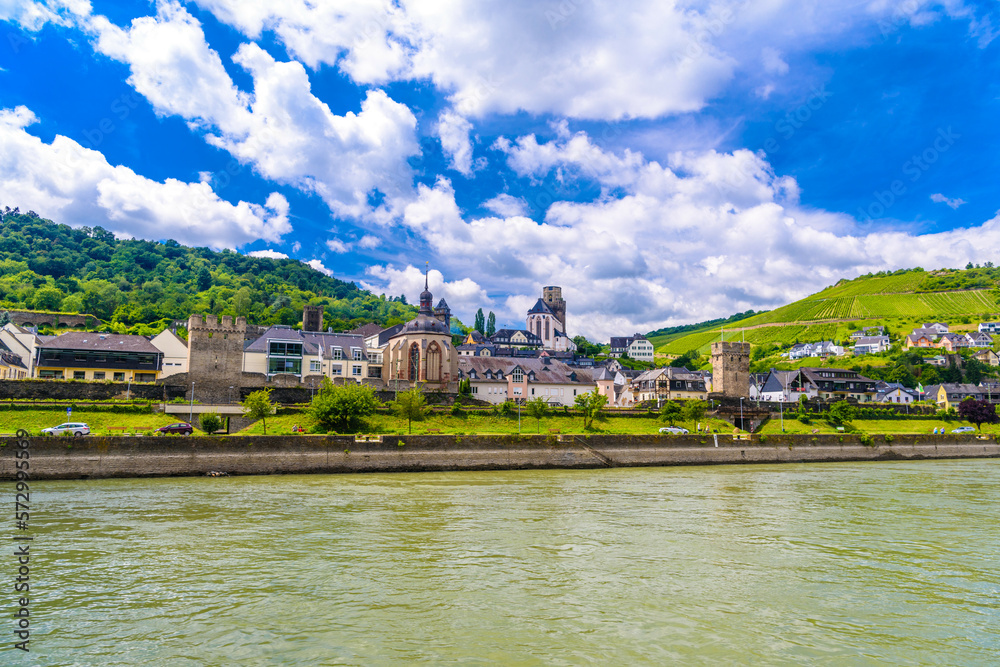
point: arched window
(517, 376)
(414, 373)
(433, 362)
(546, 329)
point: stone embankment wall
(81, 458)
(84, 391)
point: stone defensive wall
(38, 318)
(91, 458)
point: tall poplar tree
(480, 321)
(491, 324)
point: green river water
(823, 564)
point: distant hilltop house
(867, 332)
(871, 345)
(822, 349)
(936, 335)
(989, 327)
(635, 346)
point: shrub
(210, 422)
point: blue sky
(663, 162)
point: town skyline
(670, 165)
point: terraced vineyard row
(904, 282)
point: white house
(498, 379)
(989, 327)
(871, 345)
(636, 346)
(175, 352)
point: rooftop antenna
(427, 268)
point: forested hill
(139, 286)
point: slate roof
(103, 342)
(540, 307)
(367, 330)
(545, 371)
(313, 342)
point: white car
(963, 429)
(73, 428)
(674, 430)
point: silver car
(674, 430)
(73, 428)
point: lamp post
(191, 410)
(742, 424)
(230, 394)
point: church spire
(426, 297)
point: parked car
(674, 430)
(182, 428)
(963, 429)
(73, 428)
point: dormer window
(517, 376)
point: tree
(210, 422)
(978, 412)
(591, 405)
(342, 408)
(465, 387)
(204, 279)
(695, 410)
(257, 405)
(242, 301)
(670, 412)
(537, 408)
(410, 405)
(480, 325)
(841, 412)
(974, 370)
(491, 324)
(47, 298)
(4, 318)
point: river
(818, 564)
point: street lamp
(191, 410)
(742, 423)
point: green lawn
(486, 425)
(35, 420)
(874, 426)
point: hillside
(898, 300)
(139, 286)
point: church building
(547, 320)
(421, 352)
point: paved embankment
(77, 458)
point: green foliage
(505, 409)
(491, 324)
(670, 412)
(130, 283)
(480, 324)
(258, 406)
(591, 406)
(457, 411)
(342, 407)
(586, 348)
(537, 408)
(841, 413)
(410, 405)
(465, 387)
(695, 410)
(210, 422)
(688, 359)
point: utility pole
(191, 410)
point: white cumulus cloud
(65, 181)
(270, 254)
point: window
(315, 366)
(338, 353)
(79, 356)
(475, 390)
(335, 369)
(278, 348)
(98, 375)
(79, 375)
(374, 371)
(280, 365)
(119, 377)
(356, 371)
(517, 376)
(356, 354)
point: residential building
(896, 393)
(822, 349)
(285, 351)
(979, 339)
(783, 387)
(668, 384)
(635, 346)
(835, 384)
(98, 356)
(21, 343)
(520, 338)
(988, 357)
(12, 367)
(175, 352)
(476, 350)
(868, 332)
(497, 379)
(952, 342)
(939, 327)
(949, 395)
(921, 339)
(871, 345)
(989, 327)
